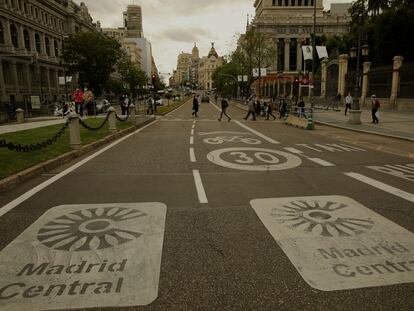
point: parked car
(205, 98)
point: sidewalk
(392, 124)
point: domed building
(207, 66)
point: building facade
(31, 35)
(207, 66)
(132, 34)
(289, 23)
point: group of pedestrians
(83, 99)
(375, 106)
(259, 107)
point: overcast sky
(173, 26)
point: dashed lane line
(381, 186)
(202, 197)
(11, 205)
(192, 140)
(192, 155)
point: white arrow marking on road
(384, 187)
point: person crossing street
(224, 105)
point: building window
(56, 46)
(14, 36)
(299, 2)
(280, 55)
(280, 2)
(25, 7)
(36, 13)
(7, 73)
(274, 2)
(20, 75)
(306, 2)
(293, 55)
(1, 34)
(26, 37)
(13, 4)
(293, 3)
(47, 44)
(286, 2)
(311, 2)
(38, 43)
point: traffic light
(153, 78)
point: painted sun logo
(89, 229)
(319, 219)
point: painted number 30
(243, 158)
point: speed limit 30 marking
(254, 159)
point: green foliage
(116, 87)
(224, 79)
(93, 56)
(132, 75)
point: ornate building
(183, 68)
(207, 66)
(289, 24)
(31, 35)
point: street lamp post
(355, 53)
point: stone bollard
(112, 120)
(20, 115)
(74, 131)
(131, 115)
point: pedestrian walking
(88, 99)
(78, 97)
(216, 99)
(258, 107)
(195, 106)
(224, 105)
(375, 106)
(150, 105)
(270, 109)
(125, 105)
(282, 108)
(348, 102)
(301, 108)
(251, 108)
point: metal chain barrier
(121, 119)
(85, 125)
(34, 147)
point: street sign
(84, 256)
(35, 101)
(240, 78)
(336, 243)
(263, 72)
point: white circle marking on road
(245, 159)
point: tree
(255, 49)
(93, 56)
(132, 75)
(225, 79)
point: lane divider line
(293, 150)
(11, 205)
(264, 137)
(202, 197)
(192, 140)
(192, 132)
(192, 155)
(320, 162)
(381, 186)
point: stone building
(31, 35)
(132, 34)
(289, 23)
(208, 64)
(183, 68)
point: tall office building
(133, 21)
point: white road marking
(222, 132)
(192, 131)
(202, 197)
(307, 146)
(215, 106)
(336, 243)
(293, 150)
(254, 159)
(402, 168)
(192, 140)
(381, 186)
(395, 170)
(192, 155)
(11, 205)
(264, 137)
(97, 251)
(320, 162)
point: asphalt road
(341, 240)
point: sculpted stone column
(15, 77)
(324, 77)
(398, 60)
(287, 54)
(365, 71)
(299, 57)
(343, 70)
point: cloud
(183, 34)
